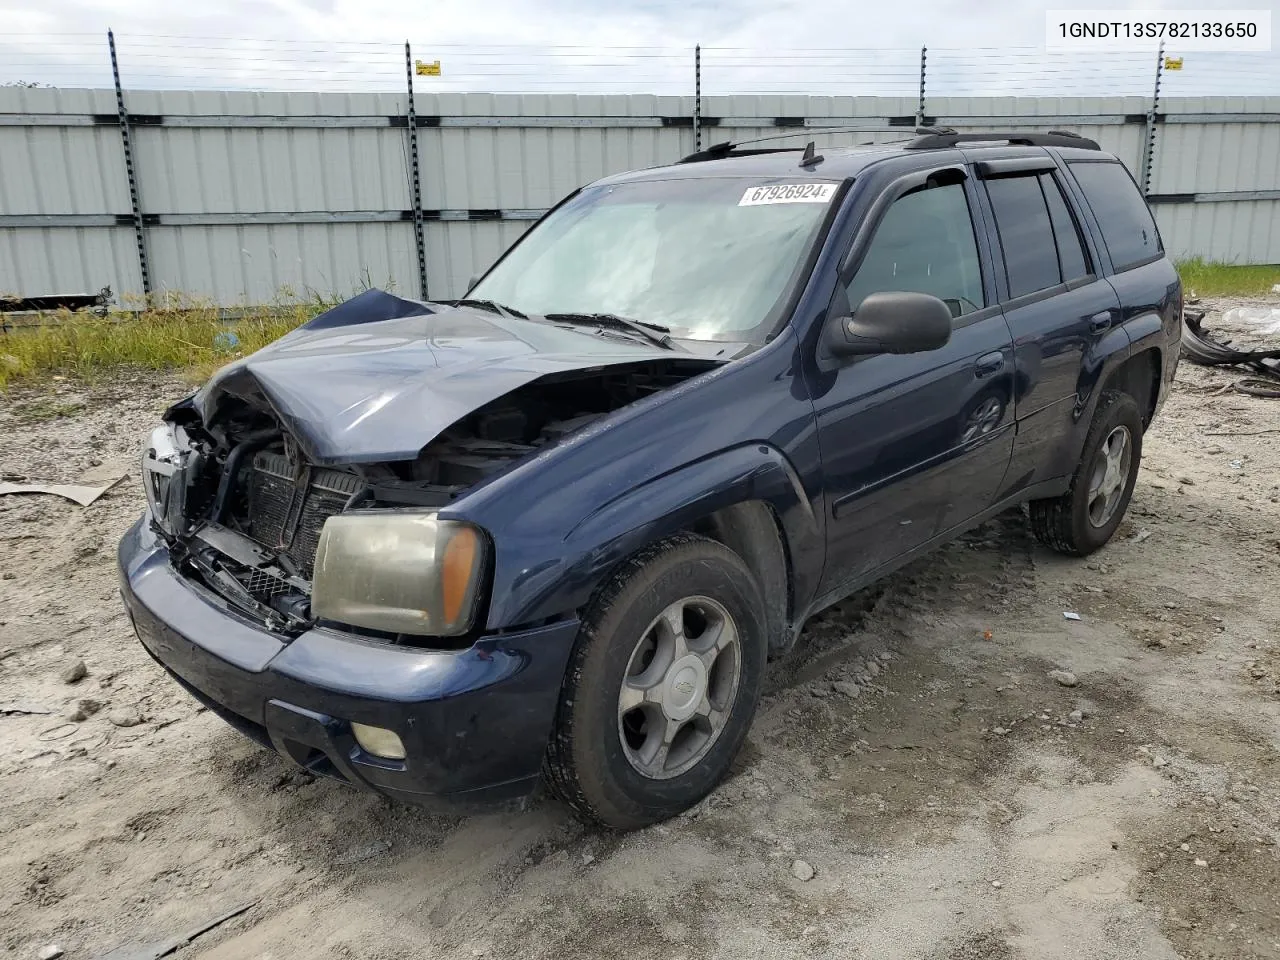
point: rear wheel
(1087, 515)
(662, 685)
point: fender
(1146, 330)
(660, 507)
(1111, 350)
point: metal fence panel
(1217, 157)
(35, 261)
(248, 197)
(1236, 232)
(60, 169)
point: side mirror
(892, 322)
(475, 278)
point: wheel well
(1139, 376)
(751, 531)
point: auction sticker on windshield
(788, 193)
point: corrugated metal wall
(250, 197)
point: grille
(263, 585)
(287, 515)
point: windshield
(711, 259)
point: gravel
(125, 717)
(83, 709)
(1063, 677)
(74, 671)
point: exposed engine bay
(243, 508)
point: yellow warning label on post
(432, 69)
(1173, 63)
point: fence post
(130, 170)
(920, 105)
(415, 178)
(697, 96)
(1149, 146)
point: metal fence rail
(242, 197)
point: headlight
(401, 571)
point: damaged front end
(242, 504)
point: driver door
(913, 445)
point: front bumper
(474, 722)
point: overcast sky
(563, 45)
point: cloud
(818, 46)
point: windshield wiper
(640, 328)
(493, 305)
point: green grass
(1203, 278)
(183, 338)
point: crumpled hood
(379, 377)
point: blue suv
(552, 532)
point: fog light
(379, 742)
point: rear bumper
(474, 722)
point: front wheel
(662, 685)
(1087, 515)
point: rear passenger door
(1056, 303)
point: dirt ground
(963, 805)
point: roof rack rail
(938, 138)
(726, 148)
(718, 151)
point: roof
(839, 163)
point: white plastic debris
(1263, 321)
(1071, 616)
(94, 483)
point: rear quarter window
(1128, 229)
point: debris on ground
(83, 494)
(158, 949)
(802, 871)
(22, 710)
(1063, 678)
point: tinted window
(1071, 255)
(924, 244)
(1026, 234)
(1127, 226)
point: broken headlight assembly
(168, 465)
(399, 571)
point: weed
(170, 335)
(1205, 278)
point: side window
(1128, 229)
(1026, 234)
(1071, 255)
(924, 244)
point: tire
(595, 758)
(1070, 523)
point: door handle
(989, 363)
(1100, 321)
